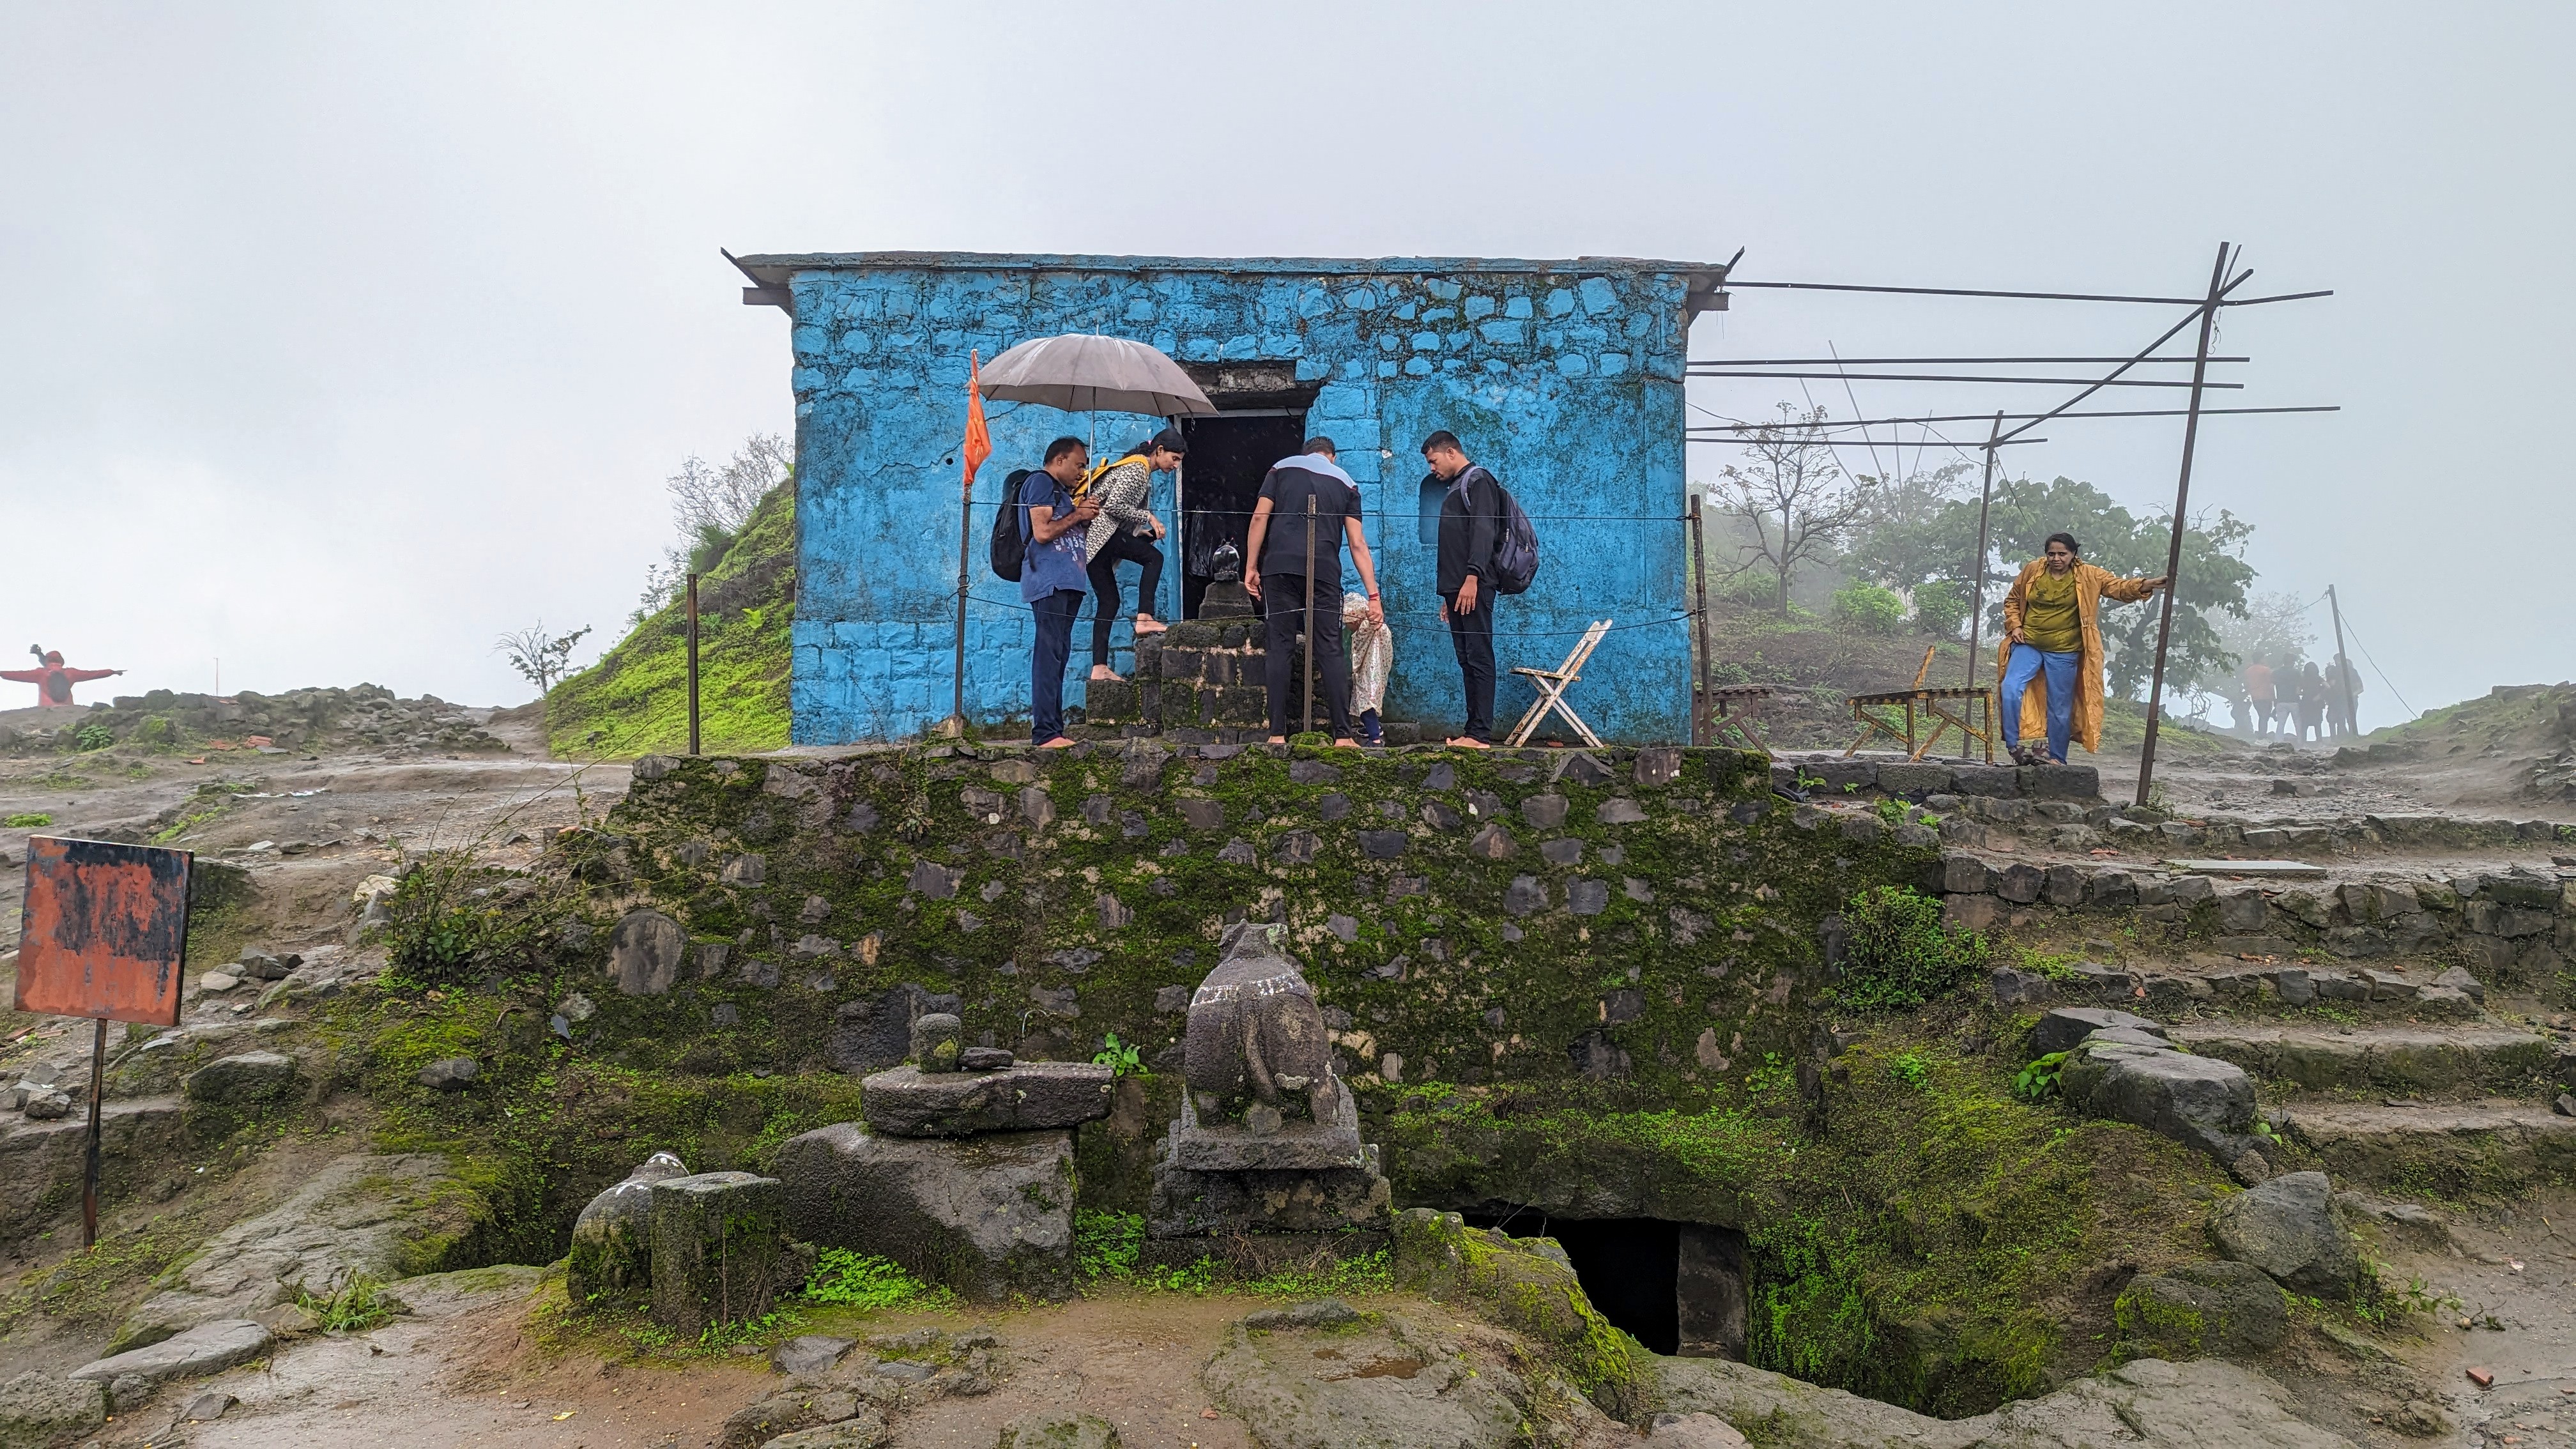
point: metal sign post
(105, 936)
(1700, 728)
(693, 664)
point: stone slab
(989, 1215)
(2252, 869)
(205, 1349)
(2067, 1026)
(1023, 1097)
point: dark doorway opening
(1229, 455)
(1629, 1267)
(1679, 1288)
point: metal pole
(2343, 668)
(89, 1161)
(2182, 501)
(1700, 702)
(693, 664)
(1310, 611)
(1180, 560)
(955, 725)
(1977, 605)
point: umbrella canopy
(1087, 374)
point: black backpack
(1010, 547)
(1515, 561)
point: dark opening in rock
(1633, 1269)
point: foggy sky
(341, 339)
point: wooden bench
(1969, 710)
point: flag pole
(977, 447)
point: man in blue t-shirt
(1052, 581)
(1284, 536)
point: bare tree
(1792, 497)
(541, 658)
(708, 496)
(712, 503)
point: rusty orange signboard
(106, 930)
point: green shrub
(359, 1305)
(1751, 589)
(1107, 1244)
(1899, 954)
(1868, 608)
(1941, 610)
(30, 821)
(93, 736)
(865, 1281)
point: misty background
(343, 339)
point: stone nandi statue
(1257, 1050)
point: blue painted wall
(1564, 378)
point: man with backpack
(1052, 578)
(1297, 559)
(1477, 519)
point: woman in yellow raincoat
(2051, 659)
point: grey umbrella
(1088, 374)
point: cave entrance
(1677, 1288)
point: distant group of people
(1078, 524)
(2297, 701)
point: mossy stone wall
(1642, 922)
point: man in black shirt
(1277, 574)
(1471, 522)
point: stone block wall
(1639, 921)
(1565, 378)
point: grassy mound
(635, 701)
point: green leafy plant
(31, 820)
(1107, 1244)
(2264, 1129)
(360, 1304)
(1910, 1069)
(1119, 1057)
(1807, 781)
(2038, 1081)
(867, 1282)
(1899, 953)
(93, 736)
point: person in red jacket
(53, 682)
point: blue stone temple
(1563, 377)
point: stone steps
(2453, 1149)
(2419, 991)
(2400, 1059)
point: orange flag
(979, 439)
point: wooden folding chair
(1552, 685)
(1930, 706)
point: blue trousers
(1055, 615)
(2027, 664)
